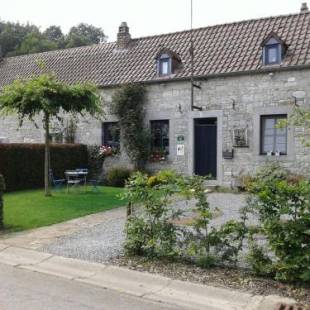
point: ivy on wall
(128, 105)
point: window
(273, 138)
(272, 55)
(164, 64)
(160, 136)
(168, 62)
(111, 134)
(273, 50)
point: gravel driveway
(104, 241)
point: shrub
(22, 164)
(2, 189)
(118, 176)
(95, 161)
(150, 232)
(282, 203)
(162, 177)
(279, 199)
(2, 184)
(206, 245)
(245, 182)
(259, 260)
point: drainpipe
(192, 53)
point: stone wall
(237, 102)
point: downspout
(192, 53)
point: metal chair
(82, 175)
(72, 179)
(94, 183)
(56, 183)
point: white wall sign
(180, 149)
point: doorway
(205, 142)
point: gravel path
(104, 241)
(228, 206)
(99, 243)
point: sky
(144, 17)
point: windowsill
(167, 76)
(273, 155)
(272, 65)
(263, 158)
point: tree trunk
(129, 210)
(47, 156)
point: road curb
(144, 285)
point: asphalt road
(23, 290)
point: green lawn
(31, 209)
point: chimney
(123, 36)
(304, 8)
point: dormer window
(168, 62)
(272, 54)
(273, 50)
(164, 64)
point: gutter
(214, 76)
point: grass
(31, 209)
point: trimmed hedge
(118, 176)
(22, 164)
(2, 188)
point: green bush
(95, 161)
(2, 189)
(282, 203)
(2, 184)
(118, 176)
(280, 200)
(150, 232)
(22, 164)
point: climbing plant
(128, 105)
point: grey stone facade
(237, 102)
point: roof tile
(219, 49)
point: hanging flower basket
(106, 151)
(158, 156)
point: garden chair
(56, 183)
(83, 173)
(94, 183)
(72, 179)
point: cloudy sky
(145, 17)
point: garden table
(76, 177)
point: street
(23, 290)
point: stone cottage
(247, 77)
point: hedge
(22, 164)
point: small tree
(44, 94)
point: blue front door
(205, 138)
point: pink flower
(105, 150)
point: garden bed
(221, 277)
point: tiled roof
(220, 49)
